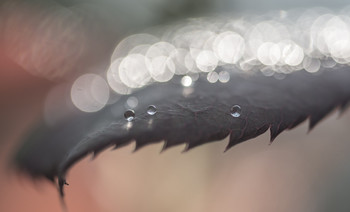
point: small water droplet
(129, 115)
(236, 111)
(151, 110)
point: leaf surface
(191, 115)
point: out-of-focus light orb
(194, 76)
(161, 68)
(292, 54)
(229, 47)
(224, 76)
(140, 49)
(131, 102)
(279, 76)
(200, 40)
(90, 93)
(267, 71)
(276, 44)
(186, 81)
(127, 44)
(114, 80)
(311, 65)
(267, 31)
(328, 62)
(212, 77)
(206, 61)
(269, 53)
(160, 49)
(133, 70)
(189, 62)
(179, 57)
(334, 37)
(337, 34)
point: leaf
(194, 119)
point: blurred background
(45, 43)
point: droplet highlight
(236, 111)
(129, 115)
(151, 110)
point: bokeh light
(274, 45)
(90, 93)
(114, 80)
(186, 81)
(133, 70)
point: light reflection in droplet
(129, 115)
(236, 111)
(151, 110)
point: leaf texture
(191, 115)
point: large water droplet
(151, 110)
(129, 115)
(236, 111)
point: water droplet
(129, 115)
(151, 110)
(236, 111)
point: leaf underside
(202, 115)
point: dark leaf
(194, 119)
